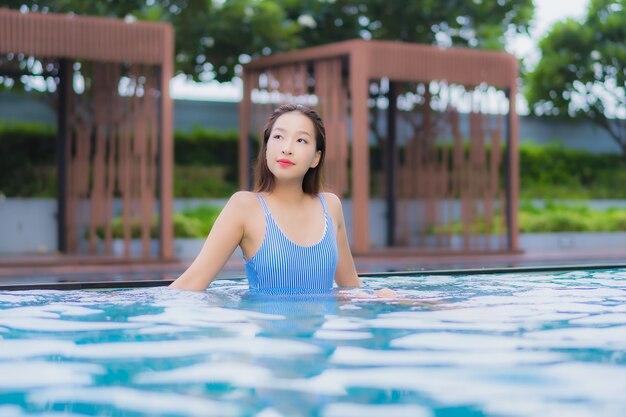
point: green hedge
(203, 181)
(27, 160)
(190, 223)
(554, 172)
(206, 166)
(205, 161)
(206, 148)
(549, 171)
(552, 218)
(549, 218)
(570, 218)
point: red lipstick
(285, 163)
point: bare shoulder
(332, 198)
(334, 204)
(240, 203)
(243, 199)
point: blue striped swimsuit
(283, 267)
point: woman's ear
(316, 160)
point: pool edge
(84, 285)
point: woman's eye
(277, 136)
(302, 140)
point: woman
(292, 235)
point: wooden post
(391, 162)
(245, 180)
(62, 131)
(167, 149)
(360, 150)
(513, 182)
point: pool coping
(93, 285)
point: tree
(481, 23)
(582, 71)
(214, 37)
(211, 36)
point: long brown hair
(312, 182)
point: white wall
(28, 225)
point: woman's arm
(346, 275)
(218, 247)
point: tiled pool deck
(27, 270)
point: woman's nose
(287, 148)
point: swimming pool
(508, 344)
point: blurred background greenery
(206, 166)
(579, 74)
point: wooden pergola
(446, 188)
(115, 121)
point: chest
(303, 229)
(304, 226)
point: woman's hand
(385, 293)
(361, 293)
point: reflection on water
(501, 345)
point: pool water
(519, 344)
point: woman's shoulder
(244, 196)
(242, 207)
(331, 198)
(243, 200)
(333, 202)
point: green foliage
(206, 147)
(24, 143)
(214, 35)
(448, 22)
(551, 218)
(209, 35)
(195, 222)
(479, 226)
(206, 165)
(205, 161)
(27, 159)
(190, 223)
(200, 181)
(205, 217)
(570, 218)
(218, 36)
(582, 71)
(554, 171)
(549, 171)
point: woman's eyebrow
(298, 131)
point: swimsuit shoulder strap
(265, 208)
(323, 200)
(269, 219)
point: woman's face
(291, 147)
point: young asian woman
(292, 235)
